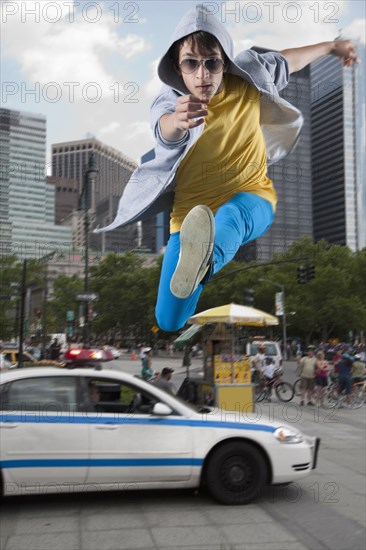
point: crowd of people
(316, 371)
(316, 368)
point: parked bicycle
(298, 385)
(334, 398)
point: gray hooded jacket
(151, 187)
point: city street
(326, 510)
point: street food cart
(227, 380)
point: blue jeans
(242, 219)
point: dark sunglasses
(213, 65)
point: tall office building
(338, 151)
(69, 160)
(27, 202)
(66, 198)
(292, 180)
(114, 168)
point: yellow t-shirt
(228, 158)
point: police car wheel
(236, 473)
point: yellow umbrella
(234, 314)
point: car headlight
(287, 435)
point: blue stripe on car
(48, 418)
(99, 462)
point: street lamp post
(284, 322)
(90, 174)
(45, 259)
(23, 291)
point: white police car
(68, 430)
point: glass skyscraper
(69, 160)
(292, 180)
(27, 202)
(338, 151)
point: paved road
(324, 511)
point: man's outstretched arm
(298, 58)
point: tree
(11, 269)
(331, 304)
(65, 289)
(126, 291)
(10, 277)
(328, 305)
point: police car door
(131, 444)
(44, 441)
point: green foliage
(63, 300)
(11, 271)
(330, 305)
(127, 294)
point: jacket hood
(198, 19)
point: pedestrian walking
(322, 370)
(358, 369)
(164, 381)
(307, 366)
(258, 363)
(345, 376)
(55, 350)
(147, 373)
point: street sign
(70, 315)
(279, 303)
(87, 296)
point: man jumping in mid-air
(218, 123)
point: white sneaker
(197, 235)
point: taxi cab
(11, 355)
(76, 429)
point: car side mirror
(160, 409)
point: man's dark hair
(202, 41)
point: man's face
(94, 394)
(201, 83)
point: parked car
(273, 350)
(116, 352)
(11, 355)
(79, 429)
(4, 363)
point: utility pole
(90, 175)
(23, 291)
(284, 322)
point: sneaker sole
(197, 236)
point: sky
(90, 67)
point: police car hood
(248, 420)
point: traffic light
(310, 272)
(305, 273)
(248, 296)
(301, 274)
